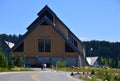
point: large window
(44, 45)
(68, 48)
(20, 48)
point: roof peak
(44, 9)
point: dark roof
(44, 9)
(37, 22)
(47, 8)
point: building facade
(49, 40)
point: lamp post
(91, 51)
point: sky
(87, 19)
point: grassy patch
(14, 69)
(4, 69)
(21, 69)
(73, 69)
(89, 78)
(95, 74)
(102, 75)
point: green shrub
(19, 62)
(107, 77)
(10, 65)
(61, 64)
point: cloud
(84, 39)
(98, 39)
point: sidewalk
(44, 70)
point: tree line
(4, 63)
(108, 52)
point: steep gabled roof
(39, 21)
(10, 44)
(48, 9)
(91, 60)
(44, 9)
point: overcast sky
(87, 19)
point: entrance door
(43, 60)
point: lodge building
(49, 40)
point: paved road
(37, 76)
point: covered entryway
(44, 60)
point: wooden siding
(15, 54)
(45, 32)
(61, 27)
(57, 52)
(67, 54)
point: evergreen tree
(118, 64)
(108, 52)
(3, 61)
(11, 63)
(19, 62)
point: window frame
(68, 48)
(46, 47)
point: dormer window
(47, 14)
(44, 23)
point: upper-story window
(44, 45)
(73, 41)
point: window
(44, 45)
(68, 48)
(20, 48)
(73, 41)
(44, 23)
(41, 45)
